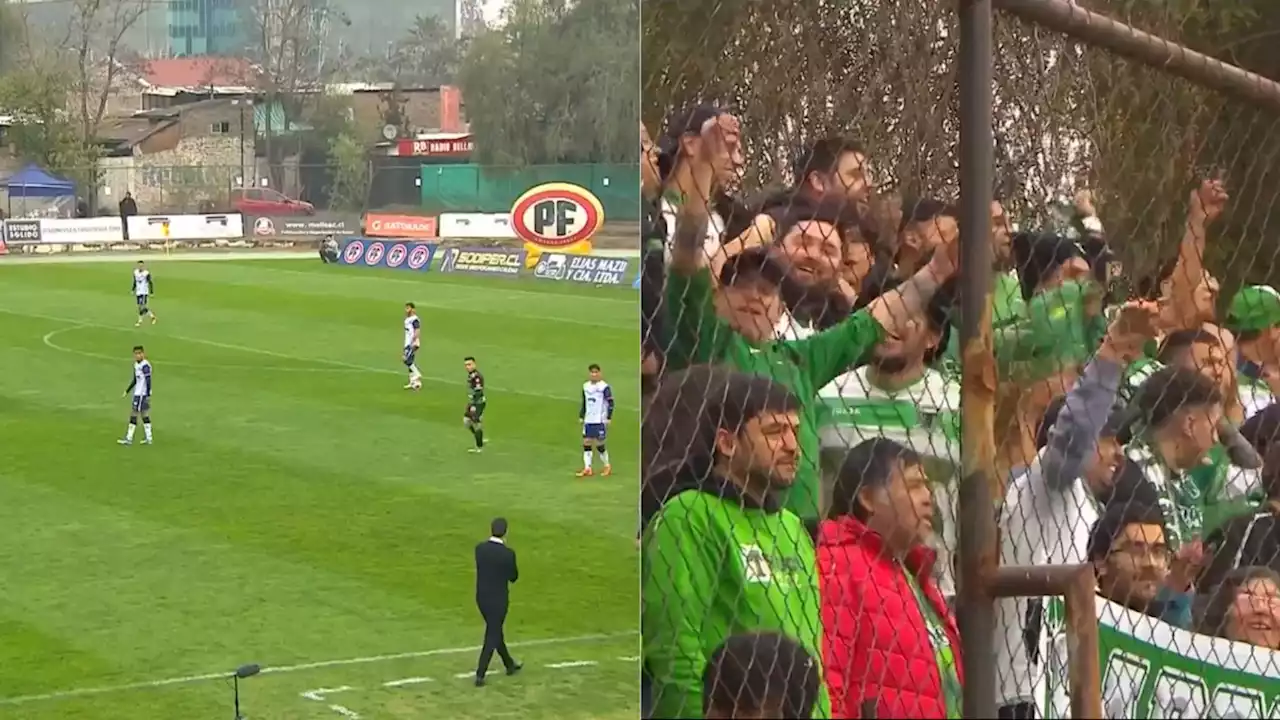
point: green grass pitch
(299, 508)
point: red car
(265, 201)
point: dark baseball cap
(754, 264)
(1115, 425)
(680, 123)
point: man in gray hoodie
(1050, 508)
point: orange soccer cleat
(607, 471)
(585, 472)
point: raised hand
(1136, 323)
(1209, 200)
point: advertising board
(318, 225)
(22, 232)
(582, 269)
(81, 231)
(479, 226)
(400, 226)
(375, 252)
(483, 261)
(160, 228)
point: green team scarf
(944, 654)
(1182, 500)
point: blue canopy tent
(32, 182)
(53, 195)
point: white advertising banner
(476, 226)
(159, 228)
(81, 231)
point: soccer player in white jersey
(143, 288)
(596, 413)
(412, 341)
(140, 390)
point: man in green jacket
(744, 337)
(722, 556)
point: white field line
(345, 712)
(457, 676)
(572, 664)
(407, 681)
(319, 694)
(48, 337)
(77, 324)
(279, 669)
(118, 256)
(629, 658)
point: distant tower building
(470, 18)
(205, 27)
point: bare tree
(287, 46)
(100, 60)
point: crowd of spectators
(800, 430)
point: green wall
(476, 188)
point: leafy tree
(427, 55)
(10, 34)
(43, 132)
(555, 83)
(350, 165)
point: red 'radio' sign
(455, 146)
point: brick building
(178, 158)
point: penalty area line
(281, 669)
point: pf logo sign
(556, 215)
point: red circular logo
(374, 253)
(556, 215)
(419, 256)
(264, 226)
(352, 252)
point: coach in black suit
(495, 570)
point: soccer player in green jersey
(475, 403)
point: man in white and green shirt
(1179, 413)
(1222, 479)
(898, 395)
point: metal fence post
(978, 549)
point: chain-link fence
(383, 183)
(801, 305)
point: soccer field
(298, 508)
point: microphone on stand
(244, 671)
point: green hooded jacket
(715, 564)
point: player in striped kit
(412, 341)
(143, 287)
(595, 413)
(140, 406)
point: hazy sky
(491, 9)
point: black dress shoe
(479, 682)
(515, 669)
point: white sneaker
(123, 441)
(147, 441)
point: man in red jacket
(889, 639)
